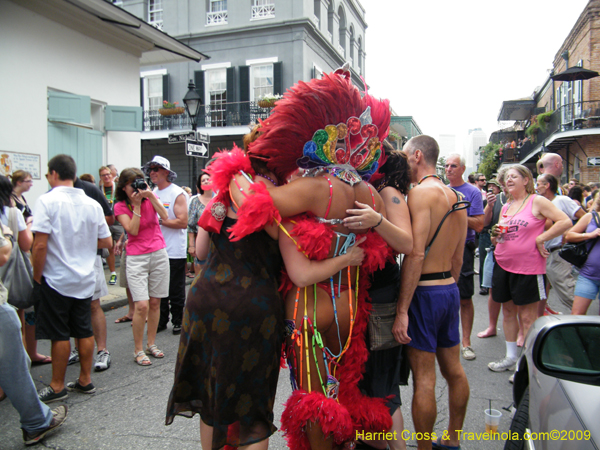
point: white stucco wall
(38, 54)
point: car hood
(585, 399)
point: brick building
(570, 120)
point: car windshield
(573, 348)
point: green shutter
(85, 146)
(63, 107)
(165, 85)
(123, 118)
(230, 84)
(244, 83)
(277, 79)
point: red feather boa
(255, 213)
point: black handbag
(577, 253)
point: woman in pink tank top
(518, 279)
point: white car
(557, 386)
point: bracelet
(136, 214)
(380, 220)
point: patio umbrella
(575, 73)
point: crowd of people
(297, 243)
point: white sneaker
(102, 361)
(502, 365)
(468, 353)
(73, 357)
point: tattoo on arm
(395, 200)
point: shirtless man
(427, 317)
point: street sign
(204, 138)
(591, 162)
(196, 148)
(176, 138)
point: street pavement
(128, 409)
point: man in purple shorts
(427, 317)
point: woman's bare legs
(206, 434)
(139, 323)
(153, 317)
(580, 305)
(493, 313)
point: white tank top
(176, 239)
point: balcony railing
(218, 115)
(216, 18)
(263, 11)
(572, 116)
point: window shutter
(165, 83)
(277, 79)
(141, 92)
(244, 83)
(230, 84)
(123, 118)
(313, 73)
(199, 82)
(63, 107)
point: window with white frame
(261, 81)
(263, 9)
(155, 13)
(154, 92)
(217, 12)
(216, 93)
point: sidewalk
(117, 297)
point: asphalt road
(128, 409)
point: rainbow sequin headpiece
(349, 150)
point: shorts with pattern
(433, 317)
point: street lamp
(192, 104)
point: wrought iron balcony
(572, 116)
(216, 115)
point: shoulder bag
(17, 273)
(577, 253)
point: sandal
(190, 275)
(145, 361)
(44, 360)
(123, 320)
(155, 351)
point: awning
(516, 109)
(102, 20)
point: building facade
(562, 116)
(257, 49)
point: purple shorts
(433, 317)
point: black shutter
(230, 84)
(244, 83)
(313, 72)
(166, 88)
(142, 92)
(277, 79)
(199, 82)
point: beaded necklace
(431, 175)
(268, 178)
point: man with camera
(455, 168)
(174, 230)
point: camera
(138, 184)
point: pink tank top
(518, 253)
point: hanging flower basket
(266, 103)
(171, 111)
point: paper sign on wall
(11, 161)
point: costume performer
(326, 128)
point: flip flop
(437, 445)
(44, 360)
(123, 320)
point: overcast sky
(451, 64)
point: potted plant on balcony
(171, 109)
(532, 131)
(268, 100)
(543, 120)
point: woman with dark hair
(576, 193)
(21, 182)
(147, 260)
(385, 370)
(196, 207)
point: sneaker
(176, 329)
(102, 361)
(59, 415)
(502, 365)
(113, 279)
(47, 395)
(75, 386)
(468, 353)
(484, 291)
(550, 311)
(74, 357)
(511, 379)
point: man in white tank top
(173, 229)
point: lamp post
(192, 103)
